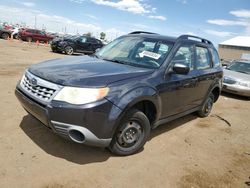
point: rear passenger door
(36, 35)
(82, 45)
(92, 44)
(205, 75)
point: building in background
(235, 48)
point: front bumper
(94, 120)
(236, 89)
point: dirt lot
(189, 152)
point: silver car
(237, 78)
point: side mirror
(180, 68)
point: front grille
(38, 88)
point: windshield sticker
(149, 54)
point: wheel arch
(4, 33)
(149, 104)
(216, 92)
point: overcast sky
(217, 20)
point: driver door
(178, 91)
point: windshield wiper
(117, 61)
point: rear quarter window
(202, 58)
(215, 58)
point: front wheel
(5, 36)
(132, 133)
(69, 50)
(207, 106)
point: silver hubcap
(69, 50)
(209, 105)
(130, 134)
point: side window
(91, 40)
(202, 58)
(216, 59)
(83, 39)
(30, 31)
(41, 32)
(184, 55)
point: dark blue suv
(116, 96)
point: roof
(156, 36)
(243, 41)
(169, 38)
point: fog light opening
(76, 136)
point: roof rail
(189, 37)
(141, 32)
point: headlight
(22, 79)
(244, 84)
(74, 95)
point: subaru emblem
(33, 82)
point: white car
(237, 78)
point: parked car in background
(34, 35)
(5, 34)
(79, 44)
(225, 62)
(237, 78)
(114, 98)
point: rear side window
(30, 31)
(91, 40)
(216, 59)
(184, 55)
(202, 58)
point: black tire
(54, 50)
(69, 50)
(5, 36)
(207, 106)
(15, 36)
(29, 39)
(131, 134)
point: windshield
(136, 51)
(240, 67)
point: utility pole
(35, 21)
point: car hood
(85, 71)
(236, 75)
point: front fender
(139, 94)
(130, 98)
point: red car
(34, 35)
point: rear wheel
(28, 39)
(132, 133)
(69, 50)
(5, 36)
(207, 106)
